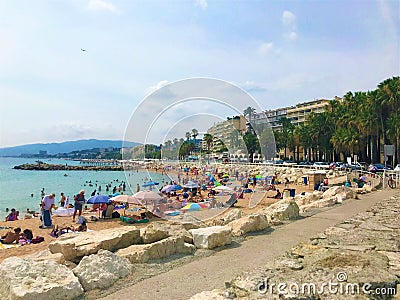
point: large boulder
(280, 211)
(74, 246)
(211, 237)
(226, 217)
(307, 198)
(344, 191)
(178, 230)
(156, 250)
(39, 280)
(324, 202)
(101, 270)
(250, 223)
(153, 233)
(46, 255)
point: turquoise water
(16, 186)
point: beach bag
(37, 240)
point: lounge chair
(108, 212)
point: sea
(21, 189)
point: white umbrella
(126, 199)
(223, 188)
(146, 196)
(191, 185)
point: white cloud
(288, 18)
(265, 48)
(202, 4)
(101, 5)
(291, 36)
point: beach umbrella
(168, 188)
(98, 199)
(194, 207)
(191, 185)
(146, 196)
(126, 199)
(223, 188)
(150, 183)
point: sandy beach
(61, 222)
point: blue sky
(281, 52)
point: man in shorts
(79, 201)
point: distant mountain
(64, 147)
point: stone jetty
(54, 167)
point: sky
(279, 52)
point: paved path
(212, 272)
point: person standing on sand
(79, 201)
(62, 200)
(47, 205)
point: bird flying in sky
(84, 50)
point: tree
(286, 133)
(195, 133)
(208, 138)
(249, 111)
(252, 144)
(188, 135)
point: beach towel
(8, 246)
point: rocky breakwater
(54, 167)
(79, 263)
(356, 259)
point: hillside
(64, 147)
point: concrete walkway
(212, 272)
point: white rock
(211, 237)
(101, 270)
(250, 223)
(226, 217)
(39, 280)
(280, 211)
(74, 246)
(343, 190)
(46, 255)
(156, 250)
(153, 233)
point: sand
(34, 223)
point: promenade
(212, 272)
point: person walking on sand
(79, 201)
(47, 205)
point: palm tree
(195, 133)
(208, 138)
(286, 133)
(249, 111)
